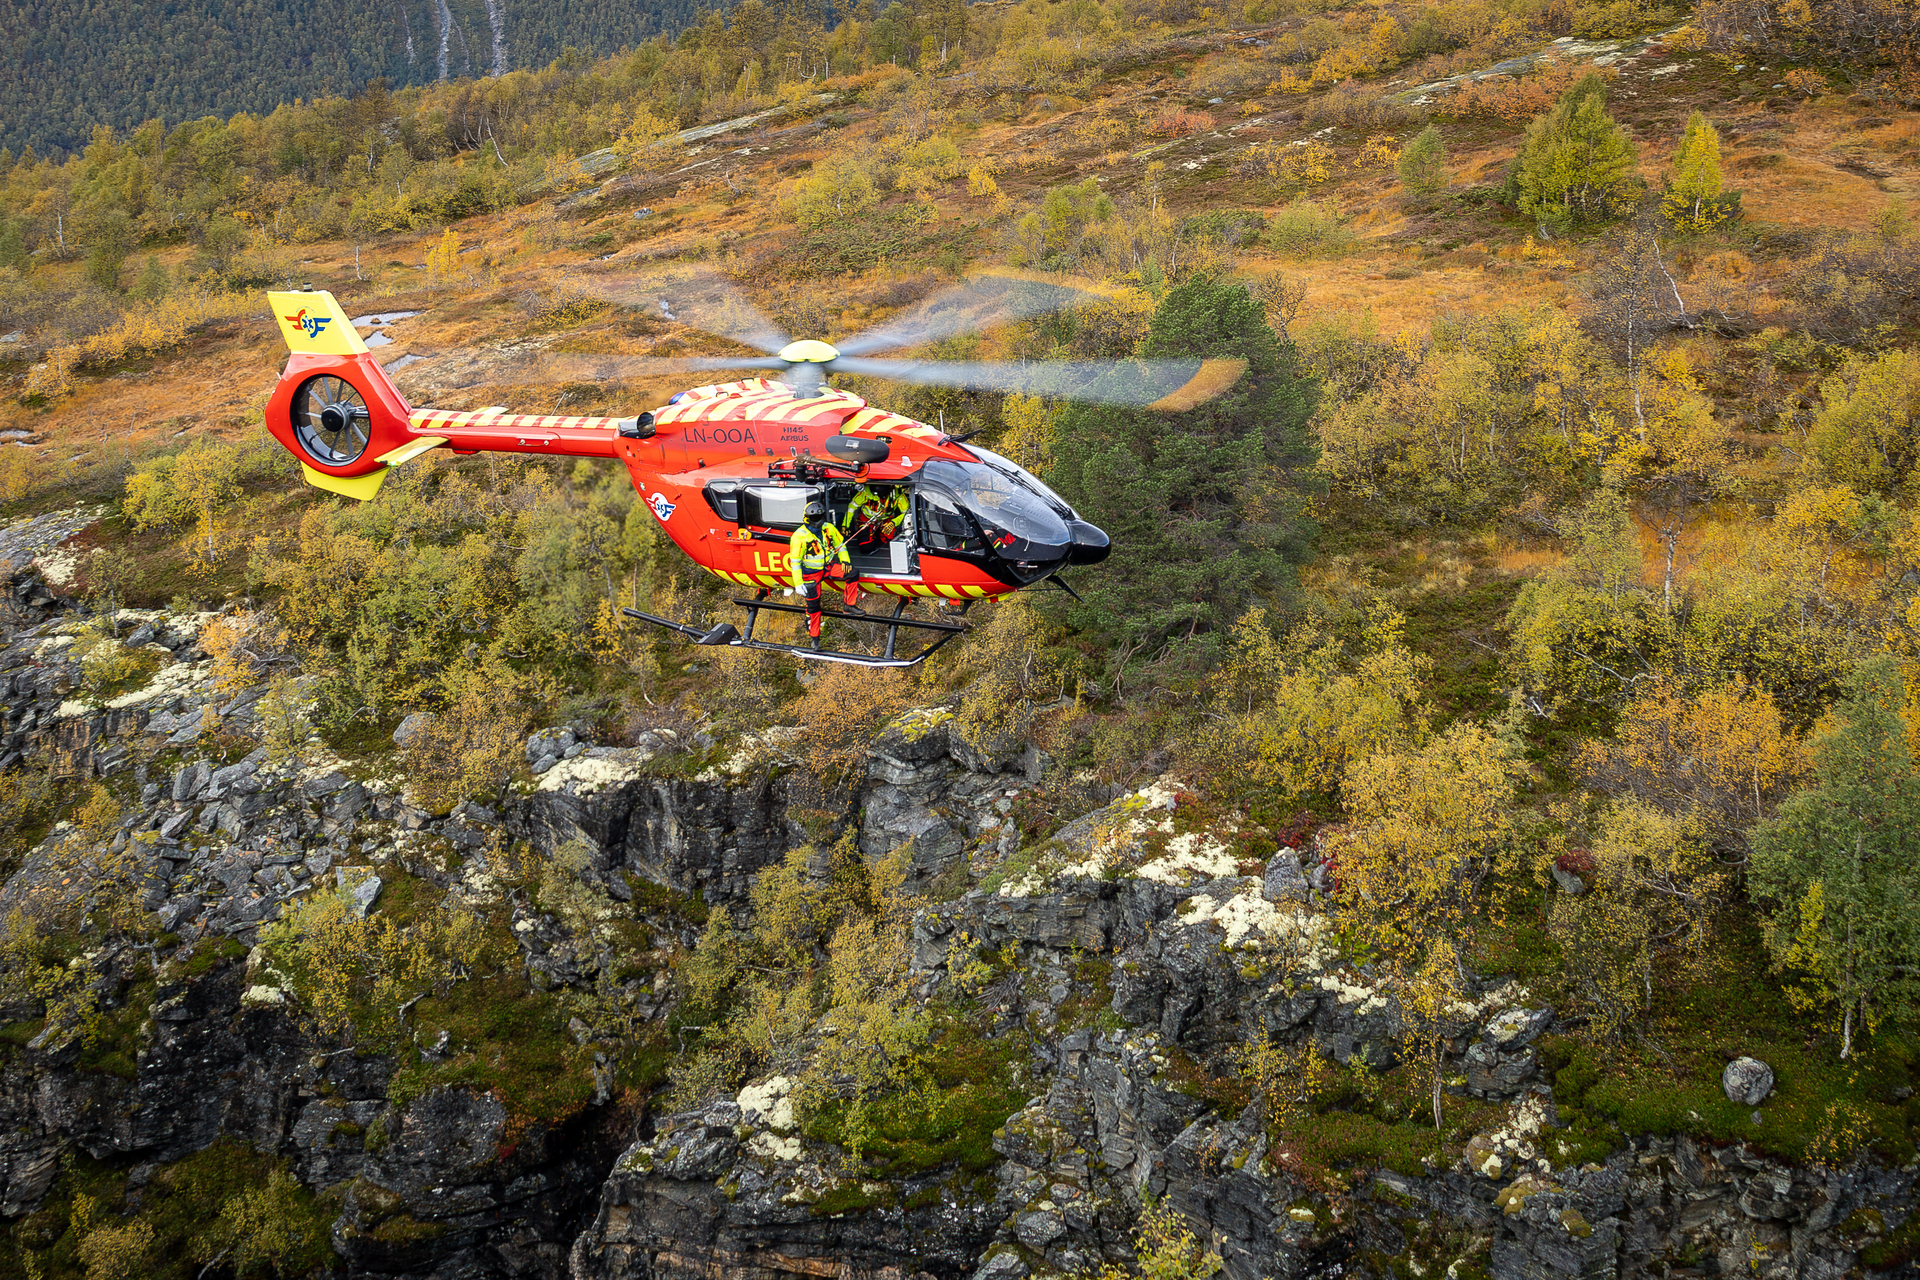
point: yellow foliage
(151, 327)
(1721, 758)
(99, 817)
(1306, 165)
(475, 743)
(1425, 824)
(1101, 127)
(925, 164)
(840, 185)
(21, 472)
(1430, 994)
(1864, 433)
(1017, 666)
(354, 972)
(1029, 438)
(838, 713)
(1654, 888)
(562, 174)
(242, 645)
(1800, 937)
(1378, 152)
(443, 260)
(286, 720)
(265, 1224)
(1165, 1248)
(1807, 82)
(200, 483)
(1691, 201)
(109, 1250)
(650, 141)
(1298, 714)
(980, 181)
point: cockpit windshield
(1034, 482)
(1000, 501)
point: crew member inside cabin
(817, 551)
(874, 517)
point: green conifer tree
(1423, 162)
(1842, 863)
(13, 248)
(152, 284)
(1576, 164)
(1204, 507)
(1693, 200)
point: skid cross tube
(725, 633)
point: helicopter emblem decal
(661, 507)
(310, 325)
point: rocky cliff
(1118, 971)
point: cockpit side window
(943, 526)
(1004, 505)
(1032, 481)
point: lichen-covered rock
(693, 836)
(1747, 1081)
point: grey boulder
(1747, 1081)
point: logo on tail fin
(310, 325)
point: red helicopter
(728, 469)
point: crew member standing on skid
(816, 547)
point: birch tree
(1842, 864)
(1426, 827)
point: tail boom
(324, 345)
(496, 430)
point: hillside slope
(72, 67)
(1467, 881)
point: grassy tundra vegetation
(1565, 523)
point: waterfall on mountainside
(445, 19)
(466, 51)
(407, 24)
(497, 19)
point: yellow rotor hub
(808, 351)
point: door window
(943, 525)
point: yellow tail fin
(314, 324)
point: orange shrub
(1517, 101)
(1180, 122)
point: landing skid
(727, 634)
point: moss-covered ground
(970, 1091)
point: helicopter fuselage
(726, 471)
(730, 467)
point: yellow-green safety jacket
(867, 505)
(809, 552)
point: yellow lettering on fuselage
(770, 562)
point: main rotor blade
(1174, 385)
(688, 295)
(979, 304)
(591, 368)
(477, 366)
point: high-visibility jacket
(870, 509)
(810, 552)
